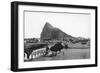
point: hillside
(52, 33)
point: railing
(35, 54)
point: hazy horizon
(76, 25)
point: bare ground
(68, 54)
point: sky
(77, 25)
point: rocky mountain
(52, 33)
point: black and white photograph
(56, 36)
(53, 36)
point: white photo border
(22, 64)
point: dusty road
(68, 54)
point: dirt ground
(68, 54)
